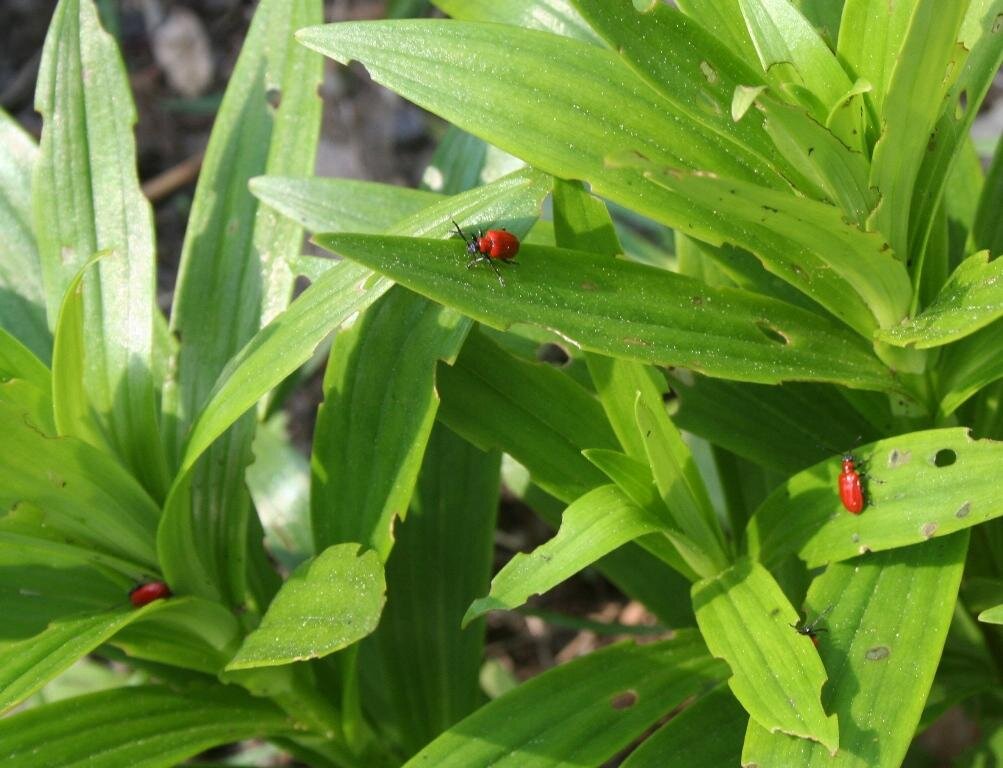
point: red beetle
(145, 594)
(851, 492)
(491, 246)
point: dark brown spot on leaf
(928, 530)
(624, 700)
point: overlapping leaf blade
(218, 302)
(777, 676)
(971, 299)
(881, 653)
(581, 713)
(447, 539)
(136, 727)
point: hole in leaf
(624, 700)
(945, 457)
(771, 333)
(553, 354)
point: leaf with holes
(916, 486)
(629, 310)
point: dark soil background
(179, 56)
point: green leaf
(447, 537)
(777, 676)
(555, 16)
(912, 104)
(71, 408)
(378, 410)
(18, 362)
(680, 485)
(634, 479)
(707, 734)
(809, 244)
(688, 66)
(781, 428)
(992, 615)
(724, 20)
(187, 633)
(979, 37)
(279, 482)
(341, 205)
(47, 580)
(794, 56)
(919, 486)
(443, 67)
(880, 651)
(22, 298)
(28, 665)
(581, 713)
(528, 410)
(835, 172)
(971, 299)
(869, 45)
(82, 492)
(594, 525)
(988, 229)
(86, 198)
(327, 604)
(596, 304)
(969, 365)
(222, 284)
(293, 80)
(279, 349)
(136, 727)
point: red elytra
(851, 493)
(498, 244)
(489, 247)
(145, 594)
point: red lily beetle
(489, 247)
(145, 594)
(851, 492)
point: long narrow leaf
(881, 653)
(593, 526)
(86, 198)
(598, 305)
(581, 713)
(221, 288)
(22, 302)
(140, 727)
(744, 617)
(440, 563)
